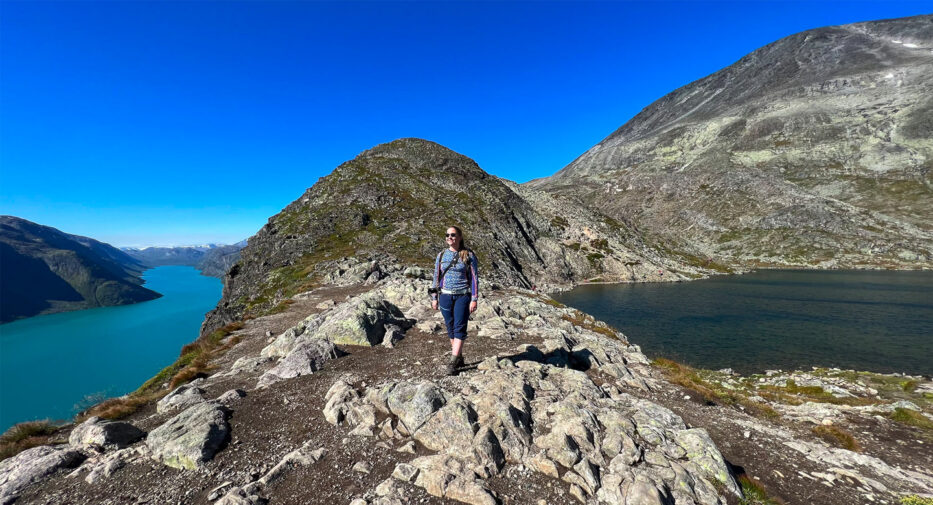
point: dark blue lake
(52, 365)
(789, 319)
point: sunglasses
(451, 235)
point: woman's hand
(473, 306)
(434, 304)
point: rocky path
(341, 399)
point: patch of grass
(910, 386)
(754, 494)
(837, 437)
(911, 418)
(559, 223)
(915, 500)
(587, 322)
(688, 377)
(22, 436)
(792, 394)
(601, 244)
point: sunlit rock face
(815, 150)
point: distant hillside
(815, 150)
(44, 270)
(211, 259)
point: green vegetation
(915, 500)
(792, 394)
(560, 223)
(22, 436)
(838, 437)
(601, 244)
(911, 418)
(587, 321)
(690, 378)
(753, 493)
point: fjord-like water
(51, 366)
(776, 319)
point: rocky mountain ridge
(391, 205)
(46, 270)
(813, 151)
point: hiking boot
(453, 364)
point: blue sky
(158, 123)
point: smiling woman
(455, 291)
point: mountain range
(211, 259)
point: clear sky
(159, 123)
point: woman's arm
(437, 273)
(474, 278)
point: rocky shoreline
(340, 397)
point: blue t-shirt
(462, 276)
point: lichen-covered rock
(33, 465)
(192, 437)
(104, 434)
(702, 451)
(360, 321)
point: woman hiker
(455, 277)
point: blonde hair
(464, 252)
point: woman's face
(453, 238)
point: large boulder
(104, 434)
(307, 357)
(192, 437)
(361, 321)
(33, 465)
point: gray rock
(104, 434)
(182, 397)
(231, 396)
(33, 465)
(450, 430)
(303, 456)
(415, 403)
(360, 321)
(393, 333)
(305, 358)
(362, 467)
(702, 451)
(405, 472)
(191, 437)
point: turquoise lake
(51, 366)
(878, 321)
